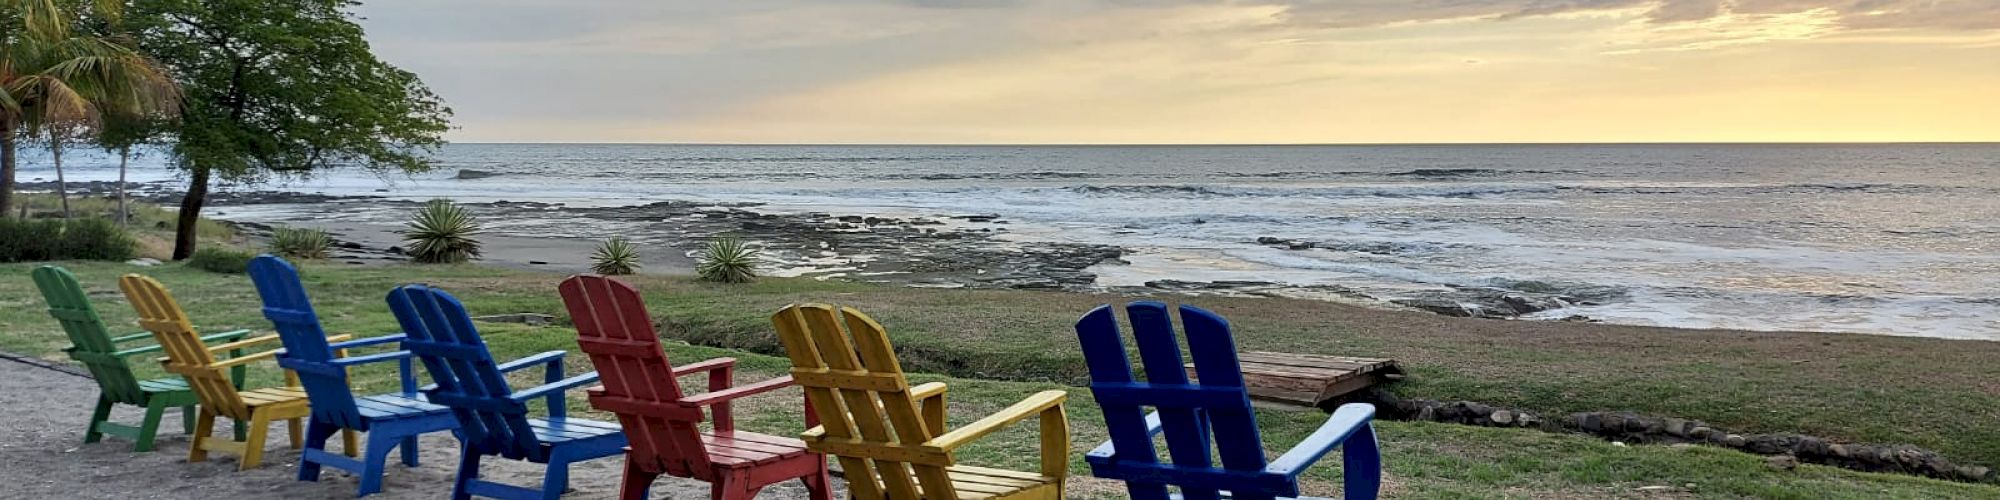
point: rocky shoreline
(954, 251)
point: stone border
(1629, 427)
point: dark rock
(469, 174)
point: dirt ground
(42, 455)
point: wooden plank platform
(1308, 379)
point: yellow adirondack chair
(189, 358)
(907, 452)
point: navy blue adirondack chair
(493, 418)
(1217, 407)
(391, 420)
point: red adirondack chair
(661, 423)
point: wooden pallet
(1307, 379)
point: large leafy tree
(57, 80)
(281, 88)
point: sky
(1194, 72)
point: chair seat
(273, 396)
(743, 449)
(981, 482)
(396, 406)
(164, 385)
(562, 430)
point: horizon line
(1244, 144)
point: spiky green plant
(442, 233)
(727, 260)
(300, 243)
(615, 257)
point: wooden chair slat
(871, 420)
(1215, 409)
(491, 421)
(220, 395)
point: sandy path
(42, 455)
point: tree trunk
(6, 165)
(124, 157)
(190, 216)
(62, 187)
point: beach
(1880, 239)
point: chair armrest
(931, 398)
(137, 351)
(1034, 405)
(554, 389)
(371, 358)
(538, 359)
(384, 339)
(229, 335)
(132, 337)
(740, 391)
(244, 360)
(1153, 428)
(244, 343)
(709, 365)
(1361, 458)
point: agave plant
(442, 233)
(727, 260)
(300, 243)
(615, 257)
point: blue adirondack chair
(493, 418)
(1217, 407)
(391, 420)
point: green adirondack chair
(92, 345)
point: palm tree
(58, 82)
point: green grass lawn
(995, 347)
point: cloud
(1860, 14)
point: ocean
(1899, 239)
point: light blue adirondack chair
(391, 420)
(1217, 407)
(493, 418)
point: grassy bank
(1931, 393)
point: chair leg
(187, 419)
(347, 443)
(298, 438)
(468, 471)
(253, 445)
(150, 426)
(556, 480)
(375, 465)
(98, 417)
(410, 451)
(637, 483)
(204, 430)
(819, 485)
(317, 432)
(735, 485)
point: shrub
(615, 257)
(727, 260)
(220, 260)
(442, 234)
(300, 243)
(57, 239)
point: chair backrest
(1218, 406)
(638, 383)
(306, 350)
(187, 356)
(90, 342)
(468, 381)
(844, 390)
